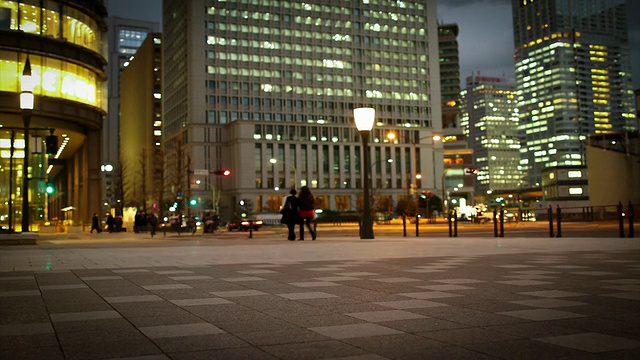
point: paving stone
(487, 306)
(166, 331)
(592, 342)
(410, 304)
(353, 330)
(83, 316)
(541, 314)
(386, 315)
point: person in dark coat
(95, 224)
(111, 223)
(290, 214)
(152, 220)
(307, 211)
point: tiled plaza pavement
(516, 305)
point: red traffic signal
(472, 171)
(224, 172)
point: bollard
(631, 216)
(495, 223)
(502, 221)
(559, 215)
(550, 215)
(455, 223)
(417, 225)
(621, 218)
(250, 229)
(404, 225)
(450, 224)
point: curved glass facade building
(65, 43)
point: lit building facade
(573, 76)
(490, 120)
(65, 44)
(268, 91)
(141, 130)
(457, 154)
(125, 36)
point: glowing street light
(364, 118)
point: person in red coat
(307, 211)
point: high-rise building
(125, 36)
(141, 133)
(64, 44)
(449, 74)
(490, 120)
(573, 76)
(457, 154)
(268, 91)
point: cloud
(485, 40)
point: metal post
(367, 223)
(11, 151)
(621, 218)
(404, 225)
(501, 221)
(559, 214)
(495, 222)
(631, 216)
(417, 225)
(250, 229)
(26, 117)
(450, 224)
(455, 223)
(550, 215)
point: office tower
(449, 74)
(267, 90)
(490, 120)
(124, 38)
(141, 130)
(457, 155)
(573, 77)
(64, 44)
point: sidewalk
(267, 298)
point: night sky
(485, 38)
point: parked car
(244, 224)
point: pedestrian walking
(95, 223)
(307, 212)
(290, 214)
(111, 223)
(152, 222)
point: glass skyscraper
(490, 121)
(267, 88)
(573, 78)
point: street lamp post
(364, 118)
(26, 104)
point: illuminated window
(54, 78)
(575, 191)
(574, 174)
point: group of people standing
(299, 210)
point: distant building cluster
(237, 102)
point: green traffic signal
(193, 202)
(50, 189)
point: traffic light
(51, 144)
(223, 172)
(193, 202)
(471, 171)
(50, 189)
